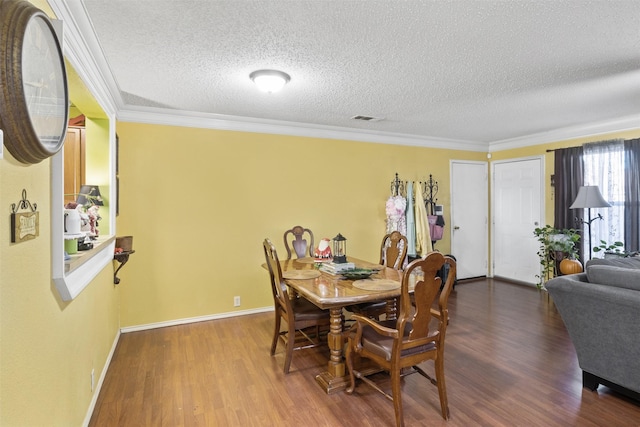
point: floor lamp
(588, 197)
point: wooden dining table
(333, 293)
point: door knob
(456, 228)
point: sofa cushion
(630, 262)
(610, 275)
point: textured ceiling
(459, 71)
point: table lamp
(588, 197)
(89, 195)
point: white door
(469, 217)
(518, 208)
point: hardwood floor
(508, 362)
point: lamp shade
(89, 195)
(589, 196)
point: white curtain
(604, 167)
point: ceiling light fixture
(270, 80)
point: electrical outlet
(236, 301)
(93, 378)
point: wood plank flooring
(508, 362)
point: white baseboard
(103, 374)
(127, 329)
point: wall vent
(367, 118)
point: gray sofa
(601, 310)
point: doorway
(518, 208)
(469, 217)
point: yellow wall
(47, 347)
(200, 202)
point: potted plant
(615, 249)
(556, 246)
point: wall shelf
(121, 258)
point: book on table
(333, 268)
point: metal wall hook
(23, 204)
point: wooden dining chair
(393, 254)
(396, 345)
(300, 245)
(299, 314)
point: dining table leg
(334, 379)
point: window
(604, 166)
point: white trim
(195, 319)
(563, 134)
(81, 47)
(103, 374)
(71, 284)
(162, 116)
(76, 50)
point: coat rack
(429, 190)
(398, 187)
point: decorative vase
(570, 266)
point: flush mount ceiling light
(269, 80)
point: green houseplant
(555, 245)
(615, 249)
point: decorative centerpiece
(339, 249)
(323, 252)
(357, 274)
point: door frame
(543, 199)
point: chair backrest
(424, 273)
(300, 245)
(393, 250)
(278, 287)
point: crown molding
(572, 132)
(83, 51)
(160, 116)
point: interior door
(518, 208)
(469, 218)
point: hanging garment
(395, 208)
(435, 229)
(423, 236)
(411, 222)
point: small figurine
(94, 216)
(323, 251)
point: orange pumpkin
(570, 266)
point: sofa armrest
(604, 325)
